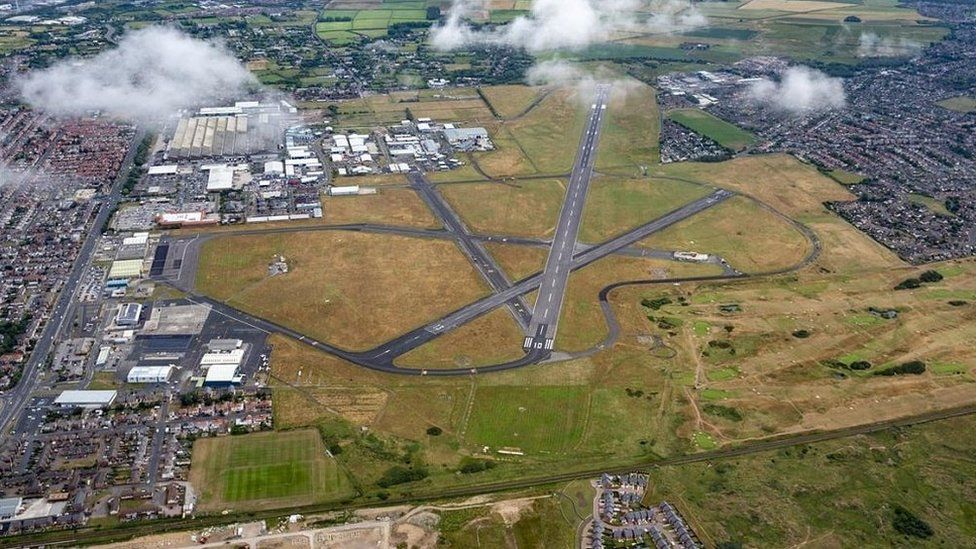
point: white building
(149, 374)
(85, 399)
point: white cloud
(152, 73)
(567, 24)
(800, 89)
(872, 45)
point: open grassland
(750, 237)
(962, 103)
(934, 205)
(511, 101)
(581, 323)
(354, 289)
(262, 470)
(543, 141)
(616, 204)
(718, 130)
(514, 524)
(388, 206)
(771, 356)
(504, 208)
(490, 339)
(461, 105)
(799, 192)
(518, 261)
(842, 493)
(631, 134)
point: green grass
(704, 441)
(834, 494)
(537, 419)
(266, 469)
(725, 134)
(963, 104)
(946, 368)
(863, 320)
(716, 394)
(934, 205)
(844, 177)
(722, 374)
(702, 328)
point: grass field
(490, 339)
(263, 470)
(963, 103)
(519, 524)
(750, 237)
(388, 206)
(842, 493)
(511, 101)
(630, 137)
(718, 130)
(518, 261)
(532, 419)
(934, 205)
(615, 204)
(500, 208)
(354, 289)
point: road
(552, 290)
(16, 399)
(473, 249)
(381, 358)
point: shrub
(908, 524)
(726, 412)
(434, 431)
(801, 334)
(930, 277)
(655, 304)
(401, 475)
(908, 284)
(471, 465)
(859, 365)
(958, 303)
(915, 367)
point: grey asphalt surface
(552, 290)
(381, 358)
(473, 249)
(16, 398)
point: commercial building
(149, 374)
(224, 345)
(234, 357)
(222, 375)
(9, 507)
(85, 399)
(128, 314)
(126, 268)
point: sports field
(533, 419)
(262, 470)
(718, 130)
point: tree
(434, 431)
(930, 276)
(905, 522)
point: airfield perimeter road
(16, 399)
(381, 358)
(552, 290)
(476, 253)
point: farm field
(354, 289)
(500, 208)
(714, 128)
(262, 470)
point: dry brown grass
(615, 204)
(490, 339)
(630, 138)
(518, 261)
(581, 323)
(388, 206)
(502, 208)
(510, 101)
(797, 191)
(355, 290)
(750, 237)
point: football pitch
(266, 469)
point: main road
(16, 399)
(552, 291)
